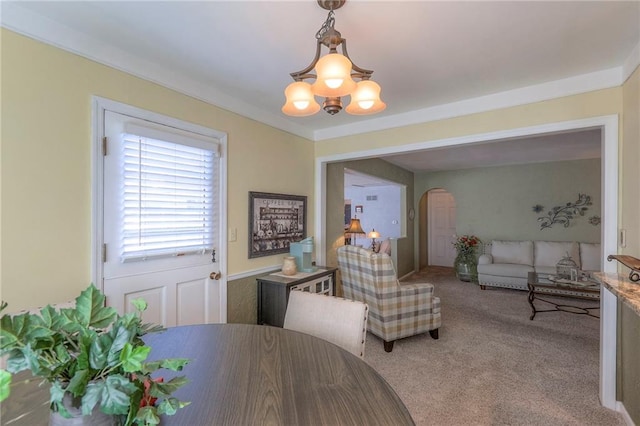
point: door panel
(155, 298)
(199, 290)
(442, 228)
(177, 289)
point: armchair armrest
(416, 288)
(485, 259)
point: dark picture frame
(275, 221)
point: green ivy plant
(94, 354)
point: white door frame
(99, 105)
(609, 230)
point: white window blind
(167, 196)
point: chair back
(337, 320)
(367, 276)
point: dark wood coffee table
(538, 288)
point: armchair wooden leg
(388, 346)
(434, 334)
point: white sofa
(509, 262)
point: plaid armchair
(395, 311)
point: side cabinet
(273, 291)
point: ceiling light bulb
(302, 104)
(333, 83)
(365, 104)
(333, 76)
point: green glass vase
(466, 267)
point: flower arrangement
(466, 245)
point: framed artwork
(358, 209)
(275, 221)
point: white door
(162, 208)
(442, 227)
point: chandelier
(334, 77)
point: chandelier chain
(328, 24)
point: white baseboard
(625, 415)
(405, 276)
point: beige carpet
(492, 365)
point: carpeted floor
(492, 365)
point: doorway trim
(609, 230)
(99, 106)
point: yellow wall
(630, 158)
(592, 104)
(628, 321)
(46, 166)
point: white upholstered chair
(340, 321)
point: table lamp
(354, 229)
(373, 235)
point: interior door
(180, 288)
(442, 227)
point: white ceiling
(433, 59)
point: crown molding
(631, 63)
(27, 23)
(525, 95)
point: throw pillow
(518, 252)
(385, 247)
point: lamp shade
(355, 227)
(373, 234)
(333, 76)
(300, 101)
(366, 99)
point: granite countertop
(624, 289)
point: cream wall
(46, 166)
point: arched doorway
(437, 228)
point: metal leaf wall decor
(564, 214)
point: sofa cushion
(590, 257)
(549, 253)
(505, 270)
(518, 252)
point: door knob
(215, 275)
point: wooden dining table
(243, 374)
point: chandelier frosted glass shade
(300, 100)
(366, 99)
(333, 76)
